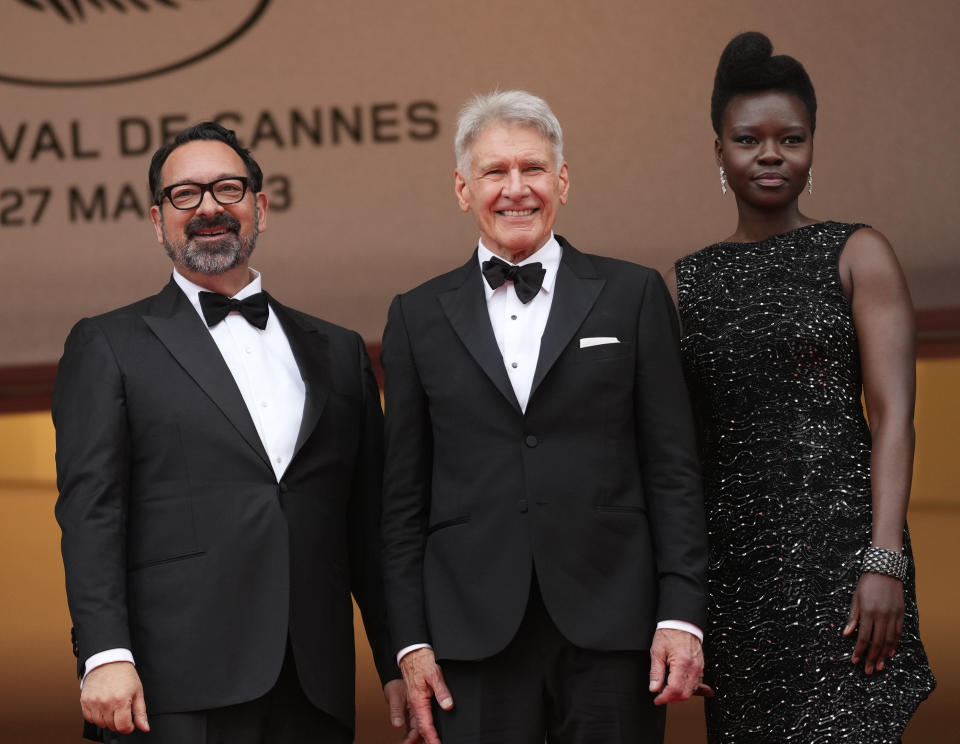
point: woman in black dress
(812, 631)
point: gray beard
(212, 258)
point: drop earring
(810, 181)
(723, 181)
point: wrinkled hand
(424, 680)
(112, 698)
(401, 715)
(877, 607)
(681, 653)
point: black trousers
(541, 688)
(283, 716)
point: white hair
(504, 107)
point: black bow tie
(527, 279)
(216, 307)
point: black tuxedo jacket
(596, 487)
(178, 542)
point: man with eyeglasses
(219, 459)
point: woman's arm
(883, 316)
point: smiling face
(514, 189)
(211, 238)
(766, 148)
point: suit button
(283, 488)
(531, 440)
(522, 506)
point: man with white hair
(543, 519)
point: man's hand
(401, 714)
(112, 698)
(680, 652)
(877, 607)
(424, 680)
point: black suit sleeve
(407, 483)
(669, 461)
(365, 555)
(89, 413)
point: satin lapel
(179, 328)
(575, 292)
(310, 348)
(466, 309)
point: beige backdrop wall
(350, 106)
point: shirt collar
(548, 255)
(192, 291)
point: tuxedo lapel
(466, 308)
(575, 291)
(179, 328)
(310, 349)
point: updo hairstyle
(747, 66)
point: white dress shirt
(263, 366)
(518, 329)
(265, 370)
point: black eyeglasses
(189, 195)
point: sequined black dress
(770, 352)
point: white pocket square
(598, 341)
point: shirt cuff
(407, 649)
(105, 657)
(681, 625)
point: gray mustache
(221, 220)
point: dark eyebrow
(203, 183)
(750, 128)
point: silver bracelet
(883, 561)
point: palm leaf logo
(77, 10)
(91, 26)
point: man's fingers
(669, 695)
(424, 721)
(671, 692)
(676, 665)
(123, 718)
(94, 715)
(140, 712)
(425, 681)
(112, 698)
(440, 691)
(420, 707)
(429, 734)
(681, 684)
(112, 714)
(657, 670)
(395, 693)
(413, 734)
